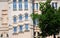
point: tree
(49, 20)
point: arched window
(20, 17)
(21, 27)
(26, 16)
(15, 19)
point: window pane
(15, 29)
(20, 6)
(25, 0)
(21, 27)
(14, 19)
(14, 6)
(34, 33)
(20, 17)
(52, 4)
(36, 6)
(26, 5)
(26, 16)
(55, 5)
(20, 0)
(14, 0)
(26, 26)
(38, 34)
(34, 37)
(36, 21)
(33, 6)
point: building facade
(15, 18)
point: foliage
(49, 20)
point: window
(36, 21)
(20, 17)
(38, 33)
(26, 26)
(36, 6)
(1, 35)
(14, 5)
(20, 4)
(26, 4)
(54, 4)
(7, 35)
(34, 37)
(25, 0)
(34, 33)
(14, 19)
(26, 16)
(21, 27)
(33, 6)
(15, 29)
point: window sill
(20, 9)
(14, 9)
(26, 9)
(26, 19)
(26, 30)
(21, 21)
(21, 32)
(15, 33)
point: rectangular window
(33, 6)
(21, 27)
(15, 29)
(20, 4)
(55, 5)
(52, 4)
(36, 6)
(26, 26)
(26, 4)
(14, 5)
(34, 33)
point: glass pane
(55, 5)
(26, 5)
(15, 29)
(34, 33)
(20, 17)
(26, 26)
(20, 0)
(14, 0)
(14, 19)
(20, 27)
(36, 6)
(26, 16)
(52, 4)
(20, 6)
